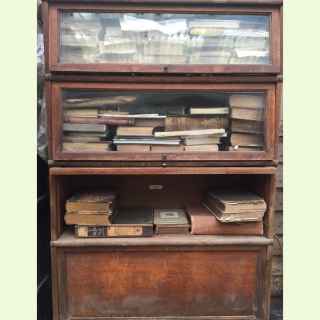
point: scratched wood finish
(162, 7)
(180, 283)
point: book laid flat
(88, 113)
(154, 123)
(100, 219)
(171, 221)
(183, 133)
(131, 222)
(133, 147)
(247, 139)
(247, 126)
(234, 201)
(84, 127)
(98, 102)
(86, 146)
(209, 111)
(203, 148)
(149, 141)
(135, 131)
(92, 120)
(199, 140)
(203, 222)
(246, 101)
(235, 206)
(193, 123)
(91, 201)
(247, 113)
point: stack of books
(247, 122)
(231, 206)
(206, 140)
(171, 221)
(89, 211)
(85, 137)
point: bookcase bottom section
(216, 283)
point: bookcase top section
(161, 171)
(68, 239)
(212, 2)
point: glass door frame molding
(53, 14)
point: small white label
(155, 187)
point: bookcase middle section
(152, 122)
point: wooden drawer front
(159, 283)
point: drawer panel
(161, 283)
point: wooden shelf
(57, 171)
(68, 239)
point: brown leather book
(203, 222)
(91, 201)
(87, 219)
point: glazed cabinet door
(161, 283)
(157, 122)
(159, 38)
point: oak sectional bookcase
(168, 58)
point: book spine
(115, 231)
(109, 121)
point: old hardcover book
(247, 114)
(88, 113)
(200, 140)
(247, 101)
(86, 146)
(67, 138)
(91, 231)
(171, 221)
(237, 201)
(82, 127)
(146, 141)
(209, 111)
(185, 133)
(132, 222)
(99, 102)
(135, 132)
(249, 216)
(133, 147)
(193, 123)
(96, 200)
(153, 123)
(92, 120)
(177, 148)
(91, 219)
(203, 222)
(247, 126)
(203, 148)
(247, 139)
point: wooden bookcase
(162, 277)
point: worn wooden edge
(185, 78)
(161, 171)
(221, 2)
(168, 318)
(113, 164)
(68, 239)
